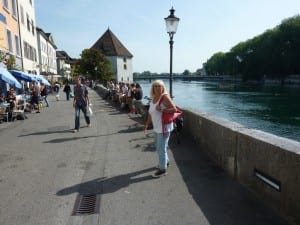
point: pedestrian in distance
(35, 93)
(44, 93)
(67, 90)
(81, 102)
(137, 98)
(56, 89)
(161, 132)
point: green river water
(274, 109)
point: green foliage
(274, 53)
(11, 62)
(186, 73)
(75, 69)
(198, 72)
(218, 64)
(8, 60)
(94, 65)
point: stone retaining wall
(266, 164)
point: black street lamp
(171, 24)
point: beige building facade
(9, 33)
(27, 25)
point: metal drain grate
(86, 204)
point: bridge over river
(187, 77)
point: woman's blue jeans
(161, 143)
(77, 115)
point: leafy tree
(214, 64)
(198, 72)
(274, 53)
(76, 69)
(146, 73)
(11, 62)
(95, 65)
(186, 73)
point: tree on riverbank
(95, 65)
(274, 54)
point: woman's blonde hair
(157, 82)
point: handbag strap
(161, 99)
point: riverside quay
(220, 172)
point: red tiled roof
(109, 45)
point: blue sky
(205, 27)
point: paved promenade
(44, 167)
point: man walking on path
(81, 102)
(44, 93)
(67, 90)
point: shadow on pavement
(222, 199)
(60, 140)
(105, 185)
(131, 129)
(46, 132)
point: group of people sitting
(38, 94)
(10, 104)
(10, 98)
(128, 95)
(28, 99)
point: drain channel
(86, 204)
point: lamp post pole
(171, 64)
(171, 25)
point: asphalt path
(44, 167)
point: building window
(29, 52)
(35, 55)
(14, 8)
(32, 27)
(125, 67)
(5, 4)
(22, 14)
(17, 42)
(28, 22)
(124, 60)
(25, 49)
(9, 41)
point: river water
(273, 109)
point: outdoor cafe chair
(3, 113)
(19, 110)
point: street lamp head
(171, 22)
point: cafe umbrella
(42, 80)
(22, 75)
(8, 78)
